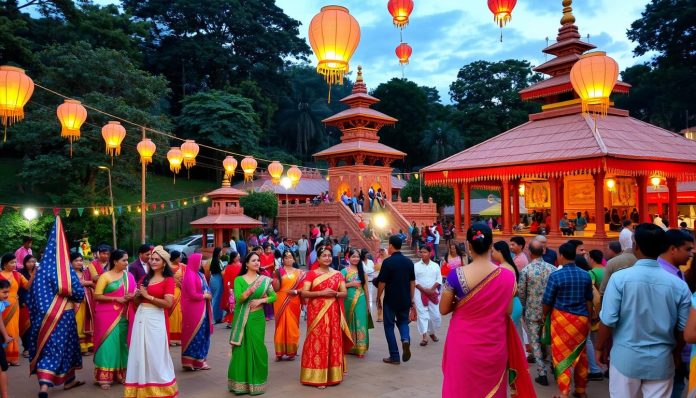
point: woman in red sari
(328, 336)
(228, 275)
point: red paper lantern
(502, 10)
(400, 10)
(403, 52)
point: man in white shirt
(626, 235)
(233, 245)
(302, 246)
(436, 243)
(427, 295)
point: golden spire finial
(360, 78)
(568, 17)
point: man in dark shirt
(139, 267)
(397, 280)
(550, 256)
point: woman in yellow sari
(11, 314)
(175, 316)
(84, 311)
(286, 282)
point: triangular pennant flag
(171, 206)
(80, 210)
(162, 205)
(41, 210)
(16, 208)
(56, 211)
(67, 212)
(120, 210)
(1, 209)
(154, 206)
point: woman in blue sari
(197, 317)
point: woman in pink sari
(197, 324)
(483, 353)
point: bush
(260, 204)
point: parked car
(188, 245)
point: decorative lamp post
(334, 35)
(175, 158)
(30, 215)
(294, 174)
(249, 167)
(230, 165)
(113, 134)
(502, 12)
(275, 169)
(111, 197)
(146, 148)
(71, 115)
(400, 11)
(403, 52)
(190, 150)
(593, 78)
(15, 90)
(286, 182)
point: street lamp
(30, 214)
(286, 182)
(113, 210)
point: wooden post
(505, 203)
(642, 182)
(673, 211)
(516, 202)
(457, 207)
(467, 205)
(553, 229)
(143, 206)
(599, 205)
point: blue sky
(447, 34)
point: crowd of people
(575, 313)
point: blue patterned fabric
(200, 344)
(568, 290)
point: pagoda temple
(564, 161)
(360, 161)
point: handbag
(412, 314)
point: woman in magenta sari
(197, 324)
(483, 353)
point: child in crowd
(4, 294)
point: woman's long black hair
(115, 256)
(215, 267)
(363, 257)
(504, 249)
(245, 269)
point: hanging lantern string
(115, 117)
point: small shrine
(360, 161)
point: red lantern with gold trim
(502, 10)
(400, 11)
(403, 52)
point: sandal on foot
(423, 343)
(74, 384)
(434, 338)
(105, 387)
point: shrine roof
(227, 220)
(226, 192)
(360, 112)
(305, 187)
(560, 84)
(358, 147)
(572, 137)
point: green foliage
(443, 196)
(441, 140)
(220, 119)
(260, 204)
(13, 227)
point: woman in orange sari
(328, 337)
(24, 321)
(286, 282)
(175, 317)
(10, 316)
(227, 299)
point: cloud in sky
(447, 34)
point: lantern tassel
(501, 34)
(175, 179)
(5, 138)
(329, 101)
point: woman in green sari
(356, 303)
(248, 370)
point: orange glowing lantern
(175, 158)
(146, 148)
(230, 165)
(71, 115)
(275, 169)
(294, 173)
(334, 35)
(113, 134)
(403, 52)
(190, 150)
(400, 11)
(502, 10)
(15, 90)
(249, 167)
(593, 78)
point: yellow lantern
(71, 115)
(593, 78)
(611, 184)
(334, 35)
(146, 148)
(15, 90)
(113, 134)
(230, 165)
(521, 189)
(294, 173)
(190, 150)
(655, 181)
(275, 169)
(249, 167)
(175, 158)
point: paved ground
(368, 377)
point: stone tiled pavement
(368, 377)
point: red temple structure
(562, 160)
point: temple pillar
(673, 211)
(642, 182)
(599, 205)
(457, 207)
(516, 202)
(204, 236)
(505, 204)
(561, 198)
(466, 193)
(555, 217)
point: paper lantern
(71, 115)
(400, 11)
(15, 90)
(230, 165)
(190, 150)
(113, 134)
(294, 173)
(521, 189)
(175, 158)
(334, 35)
(502, 10)
(403, 52)
(593, 78)
(275, 169)
(611, 184)
(249, 167)
(656, 180)
(146, 148)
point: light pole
(30, 214)
(286, 183)
(113, 210)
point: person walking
(644, 348)
(302, 247)
(287, 281)
(216, 285)
(568, 300)
(624, 260)
(8, 272)
(397, 280)
(436, 243)
(427, 296)
(22, 251)
(530, 289)
(197, 320)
